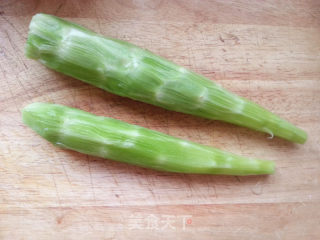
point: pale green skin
(113, 139)
(127, 70)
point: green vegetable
(109, 138)
(127, 70)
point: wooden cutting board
(267, 51)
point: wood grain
(267, 51)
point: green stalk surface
(127, 70)
(113, 139)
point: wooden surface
(267, 51)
